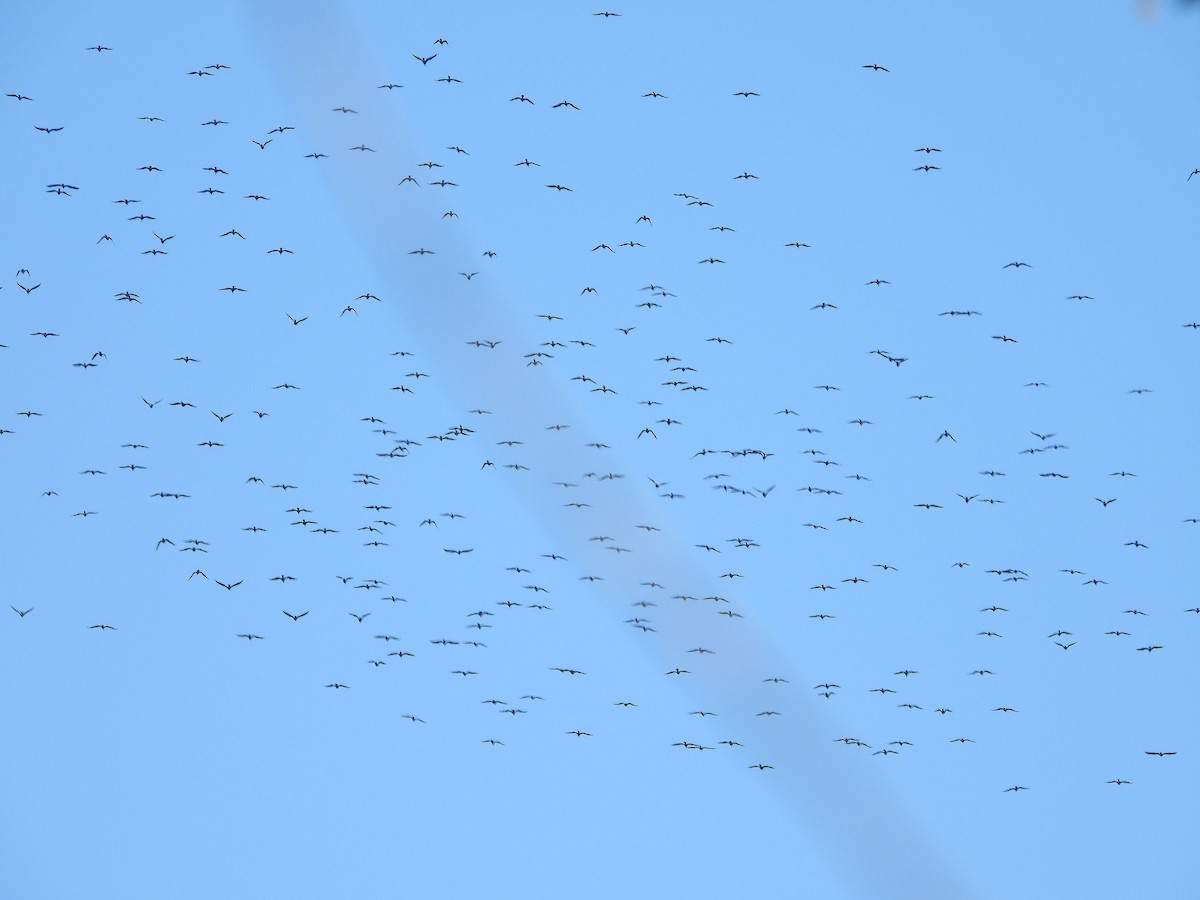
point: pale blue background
(170, 759)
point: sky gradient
(675, 419)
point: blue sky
(169, 757)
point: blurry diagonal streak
(322, 56)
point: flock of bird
(660, 391)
